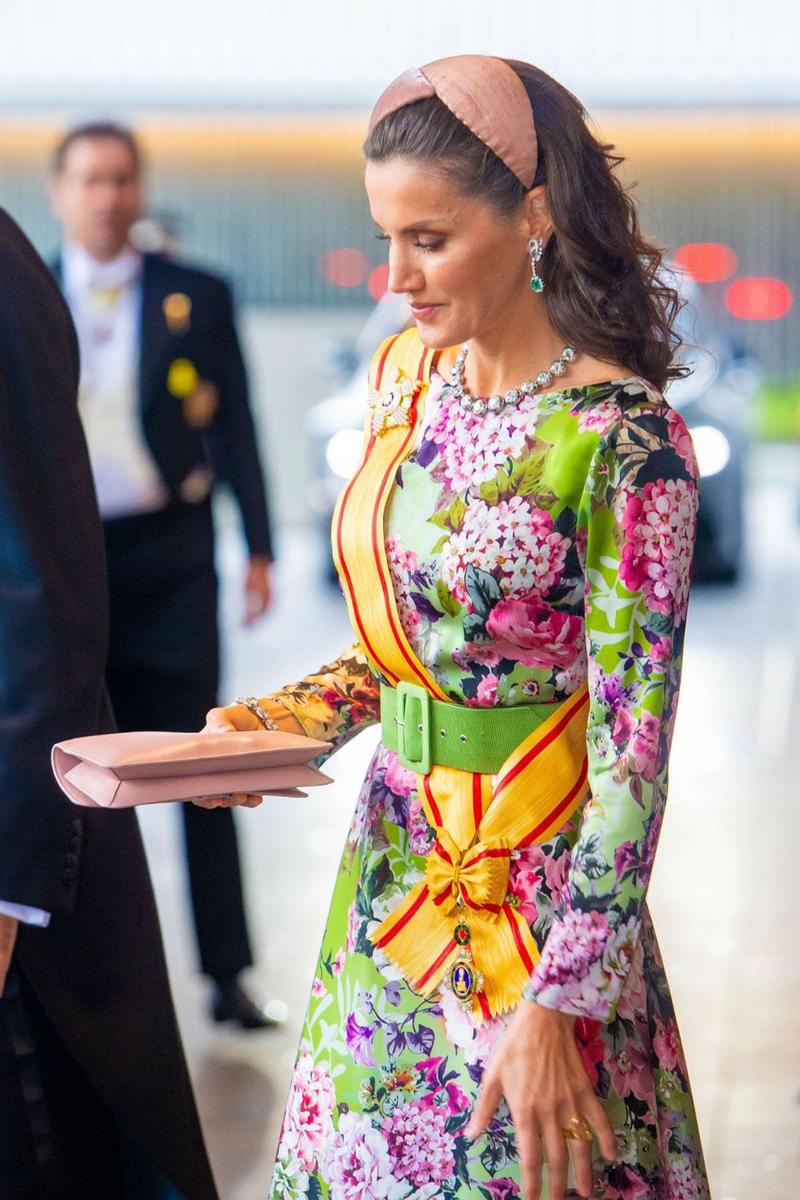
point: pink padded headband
(485, 94)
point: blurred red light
(378, 281)
(753, 299)
(707, 262)
(344, 267)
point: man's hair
(95, 129)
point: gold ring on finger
(578, 1130)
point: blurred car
(713, 400)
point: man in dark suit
(95, 1099)
(164, 403)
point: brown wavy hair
(606, 292)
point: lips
(422, 311)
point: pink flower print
(535, 634)
(660, 653)
(317, 987)
(307, 1123)
(338, 963)
(630, 1072)
(448, 1097)
(421, 1149)
(420, 834)
(668, 1048)
(353, 927)
(578, 944)
(402, 564)
(359, 1042)
(628, 1186)
(502, 1189)
(643, 746)
(591, 1047)
(624, 725)
(399, 780)
(487, 691)
(512, 541)
(556, 873)
(357, 1163)
(683, 1181)
(681, 440)
(472, 450)
(659, 528)
(525, 880)
(600, 417)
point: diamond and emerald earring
(536, 250)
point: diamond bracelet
(258, 711)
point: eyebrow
(418, 226)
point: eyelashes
(429, 247)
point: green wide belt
(425, 732)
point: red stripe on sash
(386, 588)
(536, 750)
(350, 590)
(527, 961)
(437, 816)
(415, 907)
(484, 1003)
(533, 836)
(349, 581)
(423, 979)
(477, 800)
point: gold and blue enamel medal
(463, 979)
(392, 404)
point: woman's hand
(538, 1068)
(234, 718)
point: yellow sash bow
(458, 923)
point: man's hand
(8, 936)
(257, 588)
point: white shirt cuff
(25, 914)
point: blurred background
(251, 116)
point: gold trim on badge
(178, 311)
(391, 405)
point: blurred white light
(712, 449)
(343, 452)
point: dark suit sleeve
(53, 617)
(232, 441)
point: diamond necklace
(495, 404)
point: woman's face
(461, 265)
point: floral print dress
(530, 551)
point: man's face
(97, 195)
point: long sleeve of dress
(637, 522)
(333, 704)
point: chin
(434, 338)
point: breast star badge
(392, 404)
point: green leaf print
(452, 517)
(447, 601)
(482, 589)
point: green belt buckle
(413, 721)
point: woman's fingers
(581, 1155)
(218, 720)
(596, 1115)
(555, 1147)
(234, 800)
(529, 1147)
(486, 1105)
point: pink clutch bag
(120, 770)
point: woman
(490, 1016)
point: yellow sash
(459, 923)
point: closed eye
(384, 237)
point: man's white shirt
(105, 301)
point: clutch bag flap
(164, 755)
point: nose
(404, 275)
